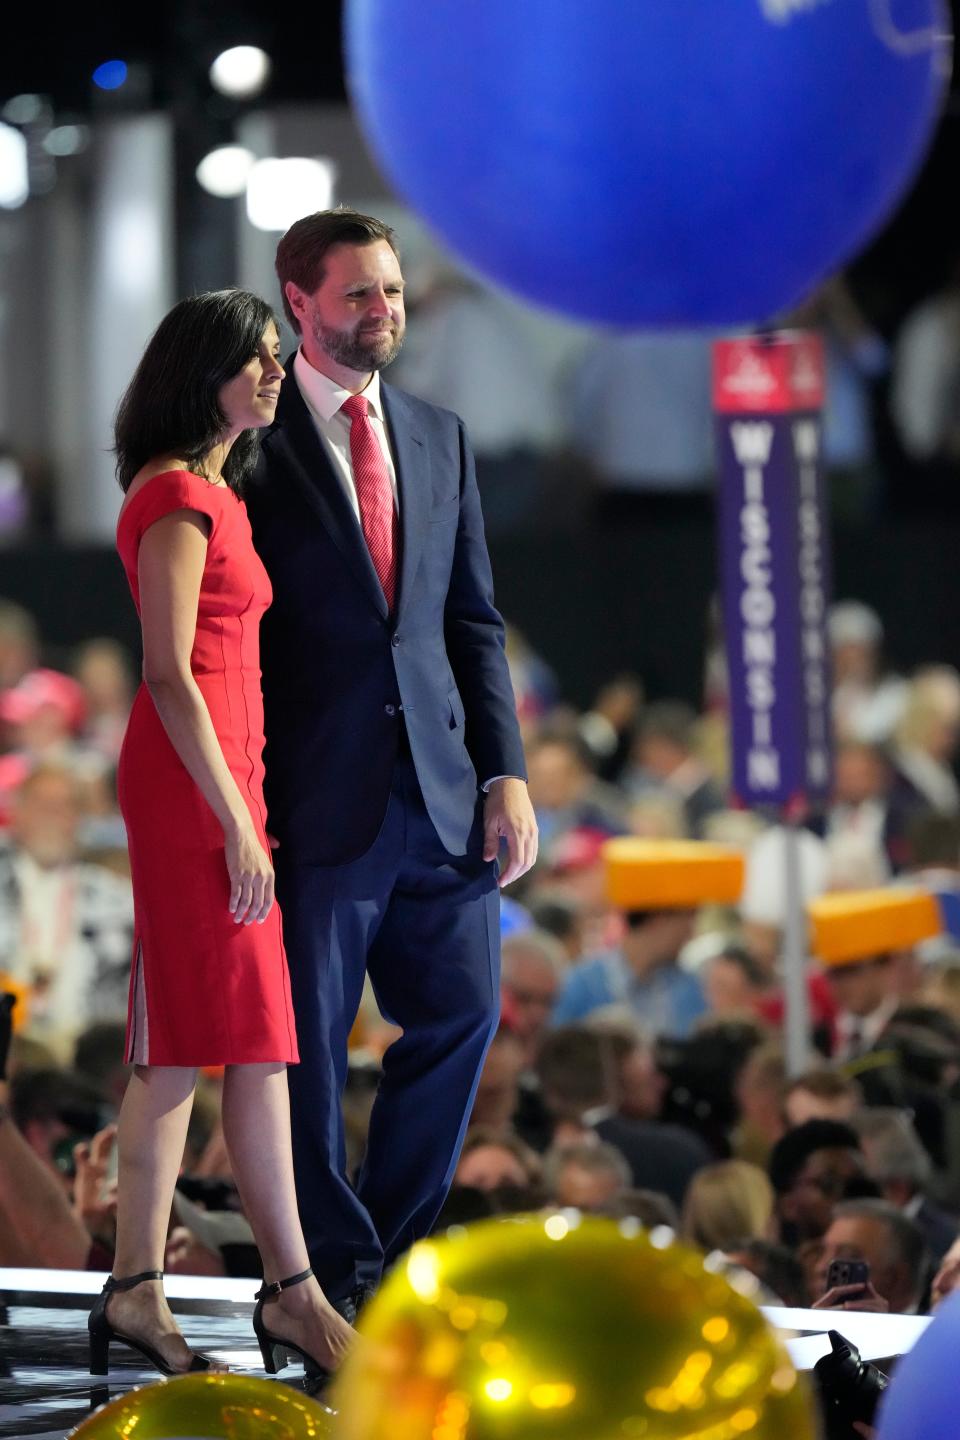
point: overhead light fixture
(280, 192)
(14, 181)
(241, 71)
(66, 140)
(25, 109)
(110, 75)
(224, 171)
(132, 248)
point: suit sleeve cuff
(485, 787)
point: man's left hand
(508, 815)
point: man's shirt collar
(325, 397)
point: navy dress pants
(425, 925)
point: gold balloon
(563, 1327)
(230, 1407)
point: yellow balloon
(563, 1327)
(230, 1407)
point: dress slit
(138, 1043)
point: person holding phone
(209, 983)
(873, 1258)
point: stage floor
(46, 1389)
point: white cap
(853, 623)
(764, 891)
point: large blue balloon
(651, 162)
(922, 1401)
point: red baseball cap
(578, 849)
(41, 688)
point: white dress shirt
(856, 1034)
(323, 398)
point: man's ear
(296, 298)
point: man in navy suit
(395, 769)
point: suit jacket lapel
(293, 440)
(412, 462)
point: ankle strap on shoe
(269, 1291)
(131, 1280)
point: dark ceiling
(56, 47)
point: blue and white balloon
(922, 1400)
(651, 162)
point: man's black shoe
(361, 1297)
(349, 1306)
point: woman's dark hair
(171, 406)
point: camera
(850, 1388)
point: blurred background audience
(639, 1066)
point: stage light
(24, 109)
(224, 171)
(14, 184)
(132, 248)
(110, 75)
(280, 192)
(66, 140)
(241, 71)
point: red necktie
(375, 493)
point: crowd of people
(639, 1065)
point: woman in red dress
(209, 983)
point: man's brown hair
(303, 249)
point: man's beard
(356, 352)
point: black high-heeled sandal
(102, 1332)
(275, 1350)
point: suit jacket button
(395, 640)
(389, 709)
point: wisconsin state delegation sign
(774, 567)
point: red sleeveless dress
(204, 990)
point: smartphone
(847, 1272)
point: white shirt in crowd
(926, 378)
(856, 1034)
(639, 408)
(471, 351)
(66, 933)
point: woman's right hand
(251, 875)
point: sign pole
(794, 955)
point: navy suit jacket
(338, 667)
